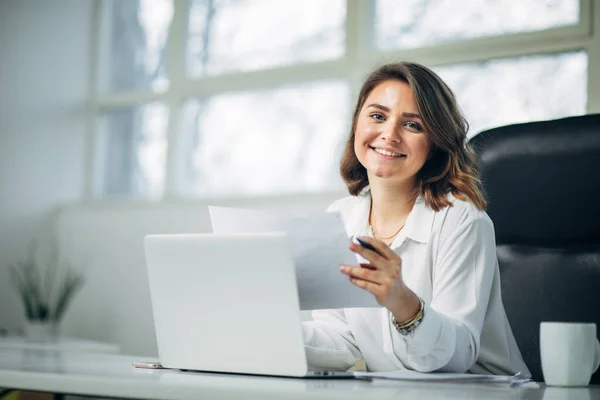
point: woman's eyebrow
(411, 115)
(379, 106)
(384, 108)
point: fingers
(370, 286)
(384, 258)
(368, 266)
(374, 281)
(370, 255)
(366, 273)
(382, 275)
(381, 248)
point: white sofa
(106, 239)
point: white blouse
(449, 260)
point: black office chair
(543, 185)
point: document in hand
(319, 246)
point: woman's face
(390, 140)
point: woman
(417, 199)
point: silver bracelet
(406, 329)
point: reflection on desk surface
(110, 375)
(61, 343)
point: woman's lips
(387, 153)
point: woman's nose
(391, 134)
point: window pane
(135, 35)
(242, 35)
(501, 92)
(287, 139)
(133, 149)
(419, 23)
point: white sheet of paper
(404, 375)
(319, 245)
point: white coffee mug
(570, 353)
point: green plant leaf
(50, 277)
(20, 283)
(72, 284)
(45, 294)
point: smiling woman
(430, 259)
(389, 130)
(409, 106)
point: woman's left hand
(382, 276)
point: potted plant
(46, 292)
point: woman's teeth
(388, 153)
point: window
(134, 45)
(500, 92)
(204, 98)
(241, 35)
(418, 23)
(133, 148)
(268, 141)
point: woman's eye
(377, 116)
(414, 125)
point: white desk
(63, 344)
(110, 375)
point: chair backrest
(543, 185)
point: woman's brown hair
(451, 166)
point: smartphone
(147, 364)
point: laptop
(227, 303)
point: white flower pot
(40, 331)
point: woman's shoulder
(345, 204)
(463, 211)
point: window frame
(361, 56)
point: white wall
(44, 66)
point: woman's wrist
(408, 307)
(409, 326)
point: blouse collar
(419, 222)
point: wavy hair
(452, 165)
